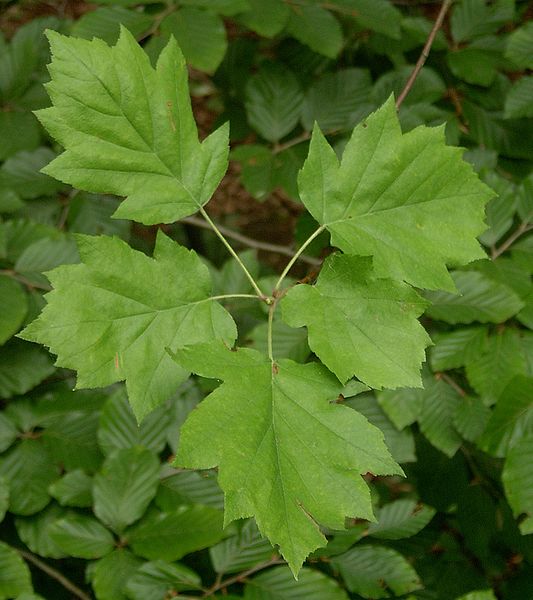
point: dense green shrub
(93, 504)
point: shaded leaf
(400, 519)
(111, 574)
(160, 579)
(273, 101)
(371, 571)
(278, 583)
(124, 486)
(81, 536)
(479, 299)
(169, 536)
(14, 575)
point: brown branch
(250, 242)
(219, 585)
(451, 382)
(59, 577)
(23, 280)
(425, 52)
(523, 228)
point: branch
(425, 52)
(242, 576)
(523, 228)
(66, 583)
(250, 242)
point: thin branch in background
(523, 228)
(240, 577)
(425, 52)
(54, 574)
(451, 382)
(303, 137)
(251, 243)
(21, 279)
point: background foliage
(87, 495)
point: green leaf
(73, 489)
(456, 348)
(481, 595)
(201, 36)
(15, 576)
(400, 519)
(474, 18)
(91, 214)
(512, 419)
(273, 101)
(143, 144)
(378, 15)
(22, 367)
(436, 418)
(81, 536)
(14, 307)
(392, 197)
(71, 440)
(429, 86)
(520, 46)
(480, 298)
(317, 28)
(189, 487)
(503, 358)
(518, 99)
(119, 429)
(169, 536)
(402, 406)
(21, 173)
(8, 432)
(401, 444)
(35, 531)
(47, 254)
(517, 477)
(4, 497)
(113, 316)
(278, 583)
(29, 469)
(373, 320)
(257, 170)
(105, 23)
(266, 17)
(471, 417)
(241, 551)
(479, 62)
(500, 210)
(160, 579)
(371, 571)
(261, 426)
(20, 130)
(125, 486)
(337, 101)
(287, 342)
(112, 573)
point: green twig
(234, 254)
(523, 228)
(297, 255)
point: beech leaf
(287, 454)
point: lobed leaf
(112, 316)
(128, 129)
(373, 320)
(286, 454)
(392, 197)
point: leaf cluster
(311, 425)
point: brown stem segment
(425, 52)
(51, 572)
